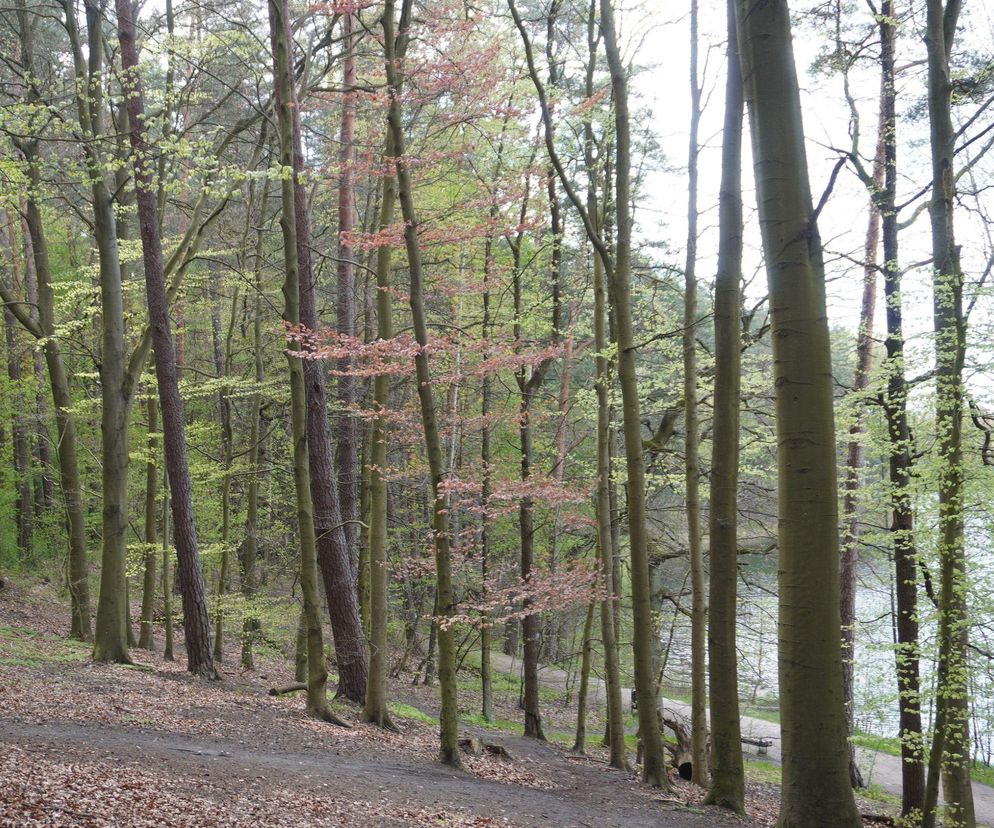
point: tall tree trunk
(692, 472)
(43, 489)
(615, 727)
(23, 508)
(195, 615)
(167, 573)
(376, 699)
(855, 458)
(444, 601)
(951, 740)
(812, 716)
(317, 673)
(653, 769)
(907, 652)
(222, 358)
(727, 775)
(347, 460)
(333, 547)
(249, 551)
(145, 633)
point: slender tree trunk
(579, 743)
(816, 788)
(376, 699)
(347, 461)
(146, 640)
(23, 509)
(653, 769)
(43, 489)
(167, 574)
(855, 459)
(222, 358)
(65, 423)
(195, 617)
(317, 673)
(692, 472)
(449, 716)
(907, 652)
(333, 547)
(256, 455)
(727, 775)
(951, 739)
(486, 393)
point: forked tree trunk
(813, 718)
(727, 775)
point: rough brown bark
(196, 625)
(334, 550)
(347, 456)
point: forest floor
(83, 744)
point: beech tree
(812, 716)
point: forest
(517, 412)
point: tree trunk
(449, 715)
(167, 575)
(146, 640)
(813, 718)
(951, 739)
(907, 652)
(249, 552)
(579, 743)
(195, 616)
(376, 699)
(317, 673)
(653, 769)
(692, 472)
(347, 461)
(333, 548)
(727, 775)
(855, 459)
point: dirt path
(879, 769)
(583, 792)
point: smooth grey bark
(692, 471)
(815, 789)
(727, 788)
